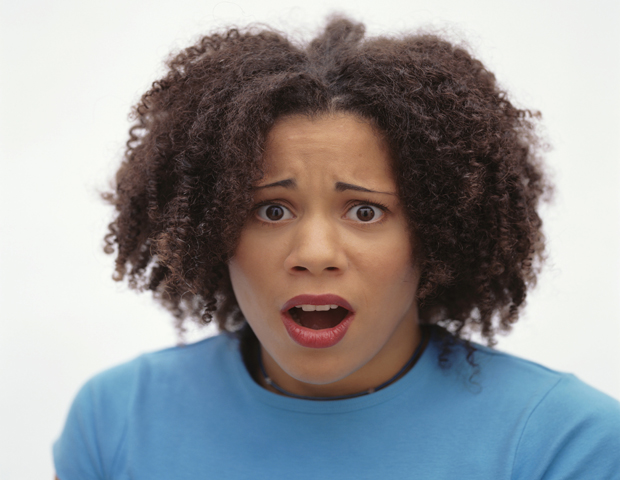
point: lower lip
(308, 337)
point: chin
(320, 370)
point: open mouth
(319, 318)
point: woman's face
(323, 271)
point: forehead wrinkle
(297, 146)
(339, 187)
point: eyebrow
(288, 183)
(340, 186)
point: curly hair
(467, 165)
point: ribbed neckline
(417, 377)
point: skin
(320, 246)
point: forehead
(335, 145)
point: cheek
(243, 270)
(251, 269)
(388, 260)
(393, 280)
(249, 254)
(389, 275)
(240, 283)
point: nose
(316, 247)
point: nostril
(303, 269)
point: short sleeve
(573, 433)
(93, 435)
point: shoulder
(505, 383)
(562, 427)
(177, 362)
(521, 378)
(508, 378)
(498, 374)
(105, 407)
(573, 431)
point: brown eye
(273, 213)
(365, 213)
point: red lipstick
(311, 338)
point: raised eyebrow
(288, 183)
(342, 186)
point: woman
(348, 212)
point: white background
(71, 69)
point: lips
(317, 327)
(326, 299)
(318, 319)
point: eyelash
(357, 203)
(378, 205)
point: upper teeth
(312, 308)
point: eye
(365, 213)
(273, 213)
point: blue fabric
(194, 413)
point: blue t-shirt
(194, 412)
